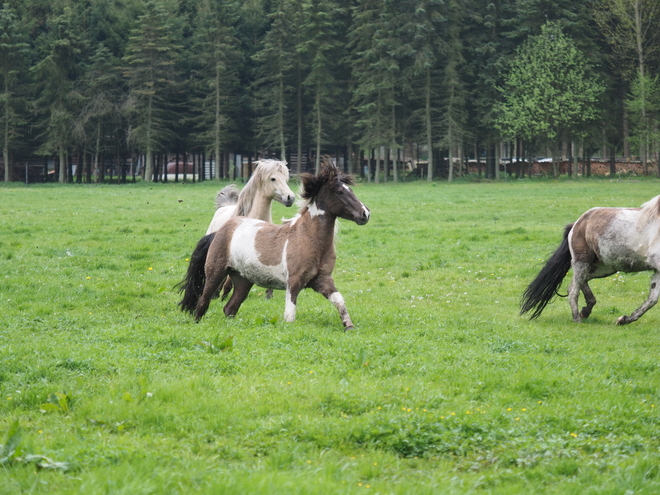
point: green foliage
(549, 91)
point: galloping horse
(603, 241)
(298, 254)
(268, 183)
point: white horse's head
(273, 177)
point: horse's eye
(273, 179)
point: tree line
(371, 81)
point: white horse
(601, 242)
(268, 182)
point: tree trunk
(317, 165)
(281, 119)
(427, 116)
(379, 157)
(644, 145)
(395, 168)
(575, 160)
(63, 166)
(5, 148)
(149, 163)
(217, 128)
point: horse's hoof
(351, 327)
(622, 320)
(584, 314)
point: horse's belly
(270, 277)
(624, 259)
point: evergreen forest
(98, 90)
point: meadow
(106, 387)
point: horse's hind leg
(580, 272)
(214, 276)
(242, 288)
(590, 300)
(648, 304)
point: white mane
(649, 211)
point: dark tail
(193, 284)
(544, 287)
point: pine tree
(423, 47)
(275, 77)
(58, 101)
(376, 75)
(101, 117)
(12, 50)
(151, 70)
(215, 75)
(323, 49)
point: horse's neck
(253, 203)
(322, 227)
(261, 209)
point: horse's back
(220, 218)
(611, 237)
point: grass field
(106, 387)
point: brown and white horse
(268, 183)
(603, 241)
(295, 255)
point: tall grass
(105, 387)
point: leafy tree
(644, 110)
(12, 51)
(151, 70)
(549, 91)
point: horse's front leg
(648, 304)
(291, 298)
(326, 286)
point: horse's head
(331, 192)
(274, 177)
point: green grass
(441, 388)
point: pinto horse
(298, 254)
(601, 242)
(268, 182)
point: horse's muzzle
(364, 217)
(288, 200)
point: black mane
(312, 184)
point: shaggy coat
(295, 255)
(601, 242)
